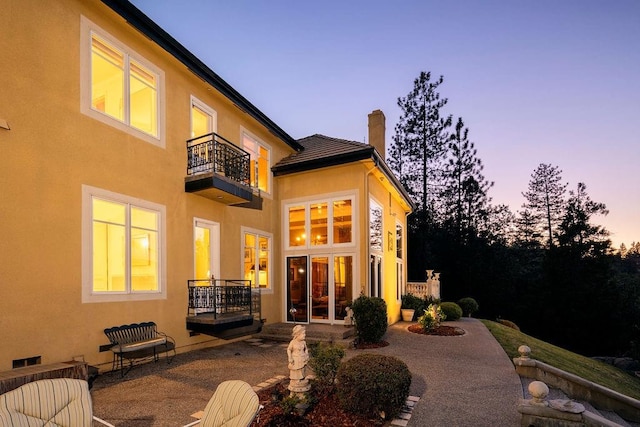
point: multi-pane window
(119, 87)
(260, 166)
(320, 223)
(123, 247)
(257, 259)
(375, 226)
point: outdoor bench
(138, 341)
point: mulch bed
(326, 412)
(442, 331)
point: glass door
(320, 288)
(331, 287)
(296, 294)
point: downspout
(368, 225)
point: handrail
(223, 296)
(214, 153)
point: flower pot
(407, 314)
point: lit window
(257, 259)
(123, 249)
(260, 166)
(119, 87)
(320, 223)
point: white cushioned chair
(234, 404)
(58, 402)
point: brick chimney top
(376, 132)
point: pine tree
(420, 141)
(465, 188)
(576, 231)
(545, 199)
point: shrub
(373, 385)
(469, 306)
(371, 318)
(451, 310)
(509, 324)
(411, 301)
(325, 361)
(431, 318)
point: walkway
(461, 381)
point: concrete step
(315, 333)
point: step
(314, 332)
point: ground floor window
(257, 258)
(123, 247)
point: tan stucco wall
(52, 150)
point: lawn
(587, 368)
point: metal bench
(138, 341)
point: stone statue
(298, 357)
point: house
(137, 185)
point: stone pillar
(376, 132)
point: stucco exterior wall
(52, 150)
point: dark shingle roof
(322, 151)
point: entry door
(206, 253)
(297, 309)
(331, 287)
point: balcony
(223, 308)
(219, 170)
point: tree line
(549, 267)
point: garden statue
(348, 319)
(298, 357)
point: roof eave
(148, 27)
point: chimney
(376, 132)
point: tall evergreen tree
(545, 198)
(528, 231)
(576, 231)
(420, 140)
(465, 187)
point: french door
(320, 287)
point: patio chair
(234, 404)
(62, 402)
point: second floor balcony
(219, 170)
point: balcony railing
(214, 153)
(223, 297)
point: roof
(144, 24)
(320, 151)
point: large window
(260, 161)
(257, 258)
(399, 262)
(123, 247)
(118, 86)
(320, 223)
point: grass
(585, 367)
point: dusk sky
(535, 81)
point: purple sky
(535, 81)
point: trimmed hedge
(451, 310)
(468, 306)
(370, 314)
(373, 385)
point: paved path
(461, 381)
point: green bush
(325, 361)
(411, 301)
(431, 317)
(370, 314)
(468, 306)
(451, 310)
(373, 385)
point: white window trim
(88, 296)
(87, 27)
(374, 201)
(401, 287)
(215, 242)
(244, 131)
(269, 236)
(204, 107)
(329, 199)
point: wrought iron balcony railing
(214, 153)
(221, 297)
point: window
(375, 226)
(257, 258)
(320, 223)
(118, 86)
(123, 247)
(260, 167)
(399, 262)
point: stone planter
(407, 314)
